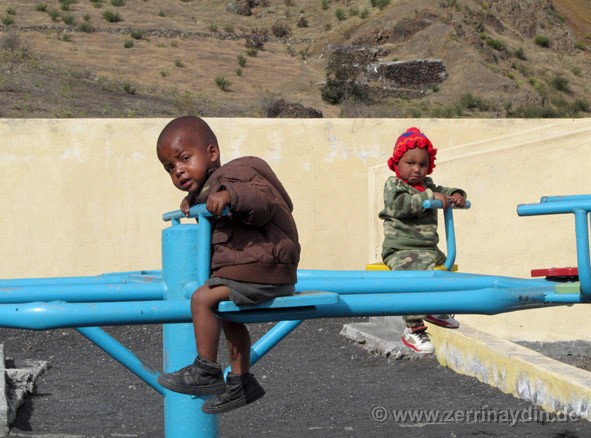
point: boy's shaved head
(188, 150)
(191, 126)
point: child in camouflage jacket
(410, 231)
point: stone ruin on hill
(416, 74)
(361, 66)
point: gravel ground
(318, 384)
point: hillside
(161, 58)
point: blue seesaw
(151, 297)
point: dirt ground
(318, 384)
(167, 57)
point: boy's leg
(238, 340)
(241, 386)
(206, 324)
(204, 376)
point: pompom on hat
(412, 138)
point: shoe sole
(444, 325)
(413, 348)
(218, 388)
(235, 404)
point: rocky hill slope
(257, 58)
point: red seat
(557, 274)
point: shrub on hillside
(344, 67)
(68, 19)
(542, 41)
(112, 17)
(257, 39)
(520, 54)
(280, 30)
(86, 27)
(560, 83)
(137, 34)
(54, 15)
(222, 83)
(65, 4)
(380, 4)
(302, 21)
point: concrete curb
(514, 369)
(15, 385)
(4, 419)
(374, 337)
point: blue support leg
(270, 340)
(182, 413)
(118, 352)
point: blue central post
(180, 267)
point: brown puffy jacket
(258, 242)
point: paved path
(318, 384)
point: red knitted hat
(412, 138)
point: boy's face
(413, 165)
(187, 160)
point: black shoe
(240, 391)
(200, 378)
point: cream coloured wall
(85, 196)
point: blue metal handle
(565, 198)
(554, 206)
(450, 234)
(580, 206)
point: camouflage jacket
(407, 225)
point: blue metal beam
(83, 293)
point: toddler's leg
(413, 321)
(414, 260)
(415, 336)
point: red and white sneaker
(445, 321)
(417, 339)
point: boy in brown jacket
(255, 255)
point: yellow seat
(381, 266)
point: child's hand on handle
(185, 205)
(441, 197)
(216, 202)
(187, 202)
(458, 200)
